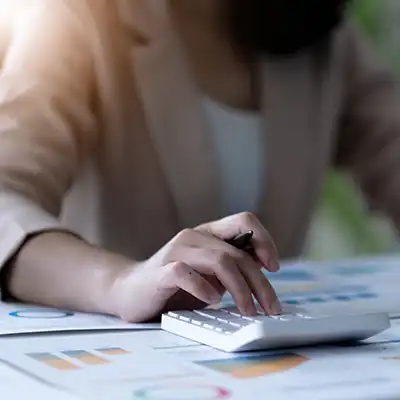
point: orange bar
(86, 357)
(53, 361)
(113, 351)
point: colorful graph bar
(255, 366)
(53, 361)
(85, 357)
(113, 351)
(292, 275)
(394, 358)
(345, 297)
(184, 391)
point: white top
(238, 140)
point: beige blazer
(102, 133)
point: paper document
(371, 369)
(159, 365)
(360, 285)
(16, 385)
(96, 366)
(21, 318)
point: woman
(138, 136)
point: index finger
(263, 246)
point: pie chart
(182, 392)
(40, 313)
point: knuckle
(183, 235)
(248, 217)
(178, 269)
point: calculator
(226, 329)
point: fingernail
(214, 298)
(274, 266)
(276, 307)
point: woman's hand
(195, 269)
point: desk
(157, 365)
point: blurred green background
(342, 228)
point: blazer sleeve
(47, 126)
(369, 132)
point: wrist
(106, 284)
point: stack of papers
(158, 365)
(110, 359)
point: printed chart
(342, 294)
(379, 267)
(17, 386)
(98, 366)
(293, 274)
(40, 313)
(138, 366)
(354, 270)
(296, 280)
(182, 391)
(363, 285)
(71, 360)
(17, 318)
(249, 366)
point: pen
(241, 241)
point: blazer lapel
(290, 108)
(177, 126)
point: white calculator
(227, 330)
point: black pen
(241, 241)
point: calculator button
(200, 319)
(256, 320)
(233, 322)
(219, 326)
(236, 324)
(226, 327)
(210, 314)
(186, 316)
(243, 322)
(233, 311)
(228, 317)
(281, 317)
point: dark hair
(283, 27)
